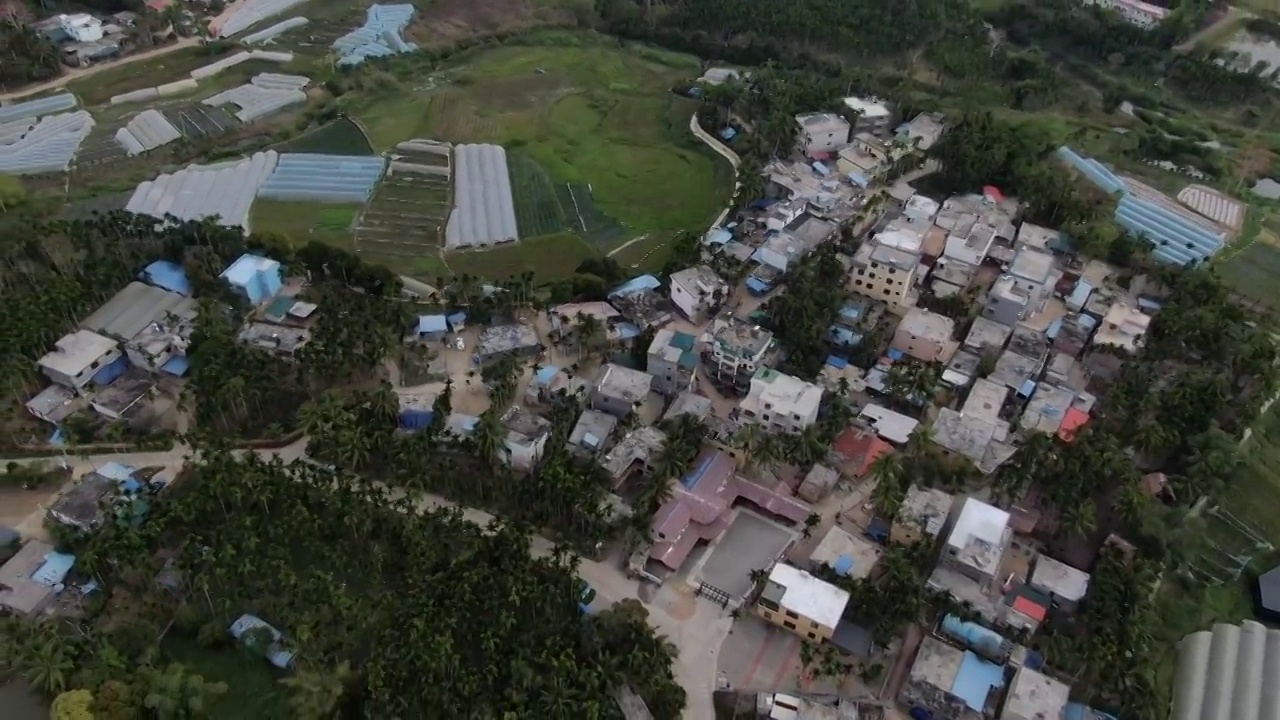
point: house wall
(922, 348)
(687, 302)
(615, 406)
(668, 377)
(524, 456)
(82, 378)
(885, 284)
(825, 138)
(798, 624)
(1004, 309)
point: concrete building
(1033, 696)
(950, 683)
(1143, 14)
(673, 361)
(591, 433)
(922, 132)
(873, 115)
(855, 451)
(620, 390)
(1063, 584)
(884, 268)
(688, 403)
(81, 27)
(923, 514)
(738, 350)
(977, 431)
(501, 340)
(821, 133)
(84, 506)
(795, 600)
(697, 291)
(256, 278)
(987, 335)
(78, 357)
(28, 579)
(781, 402)
(634, 453)
(1047, 409)
(848, 555)
(284, 341)
(969, 240)
(526, 439)
(1227, 673)
(1124, 327)
(926, 336)
(55, 404)
(1022, 360)
(977, 543)
(892, 426)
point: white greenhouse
(483, 212)
(225, 191)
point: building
(500, 341)
(977, 431)
(634, 453)
(738, 349)
(719, 76)
(78, 357)
(1178, 235)
(688, 403)
(781, 402)
(1227, 673)
(976, 545)
(1124, 327)
(922, 132)
(969, 240)
(620, 390)
(697, 291)
(923, 514)
(30, 580)
(81, 27)
(55, 404)
(926, 336)
(1021, 292)
(1071, 334)
(84, 505)
(591, 433)
(817, 483)
(431, 328)
(702, 506)
(256, 278)
(855, 452)
(821, 133)
(795, 600)
(1143, 14)
(986, 335)
(1266, 591)
(284, 341)
(866, 157)
(155, 325)
(884, 268)
(949, 683)
(526, 440)
(1064, 585)
(889, 425)
(673, 362)
(1033, 696)
(848, 555)
(873, 115)
(125, 394)
(1047, 409)
(1022, 361)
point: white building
(781, 402)
(81, 28)
(888, 424)
(1033, 696)
(977, 543)
(872, 114)
(1144, 15)
(822, 133)
(922, 132)
(926, 336)
(78, 356)
(802, 603)
(526, 439)
(739, 348)
(697, 290)
(1124, 326)
(1066, 586)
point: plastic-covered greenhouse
(49, 146)
(265, 94)
(225, 191)
(380, 36)
(268, 34)
(146, 131)
(483, 212)
(324, 178)
(248, 13)
(36, 108)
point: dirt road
(77, 74)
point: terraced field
(407, 214)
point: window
(789, 625)
(792, 615)
(892, 271)
(768, 615)
(871, 276)
(768, 604)
(812, 636)
(813, 625)
(858, 283)
(875, 266)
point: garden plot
(265, 94)
(410, 207)
(225, 191)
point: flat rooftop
(805, 595)
(1033, 695)
(1032, 264)
(1059, 579)
(743, 339)
(847, 554)
(623, 382)
(987, 333)
(925, 324)
(77, 351)
(927, 508)
(980, 535)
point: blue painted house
(255, 277)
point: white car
(459, 344)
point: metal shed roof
(1229, 673)
(135, 307)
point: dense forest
(28, 55)
(432, 612)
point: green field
(340, 137)
(253, 694)
(1255, 273)
(590, 113)
(533, 192)
(552, 257)
(304, 221)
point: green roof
(683, 340)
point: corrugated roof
(1229, 673)
(135, 307)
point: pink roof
(1072, 421)
(1030, 608)
(860, 448)
(992, 192)
(701, 507)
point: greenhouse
(146, 131)
(324, 178)
(265, 94)
(36, 108)
(225, 191)
(483, 212)
(380, 36)
(49, 146)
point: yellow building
(797, 601)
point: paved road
(696, 627)
(80, 73)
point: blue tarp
(257, 277)
(59, 437)
(457, 321)
(543, 377)
(415, 419)
(975, 679)
(1055, 327)
(859, 179)
(1027, 388)
(432, 324)
(728, 133)
(177, 365)
(820, 168)
(54, 570)
(853, 311)
(896, 354)
(627, 331)
(843, 336)
(112, 372)
(758, 287)
(635, 285)
(717, 236)
(168, 276)
(837, 362)
(844, 565)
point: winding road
(81, 73)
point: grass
(303, 221)
(553, 257)
(340, 137)
(538, 210)
(1255, 273)
(589, 112)
(99, 87)
(253, 691)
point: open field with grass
(1255, 272)
(303, 221)
(590, 113)
(253, 694)
(553, 257)
(340, 137)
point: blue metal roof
(837, 362)
(545, 374)
(1055, 327)
(859, 179)
(177, 365)
(110, 373)
(717, 236)
(975, 679)
(820, 168)
(54, 570)
(635, 285)
(168, 276)
(1081, 294)
(457, 320)
(1027, 388)
(428, 324)
(626, 330)
(758, 286)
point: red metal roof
(993, 192)
(1072, 421)
(1030, 608)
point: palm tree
(890, 478)
(489, 436)
(316, 694)
(174, 694)
(46, 666)
(590, 332)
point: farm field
(553, 257)
(303, 221)
(98, 88)
(590, 113)
(340, 137)
(1255, 272)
